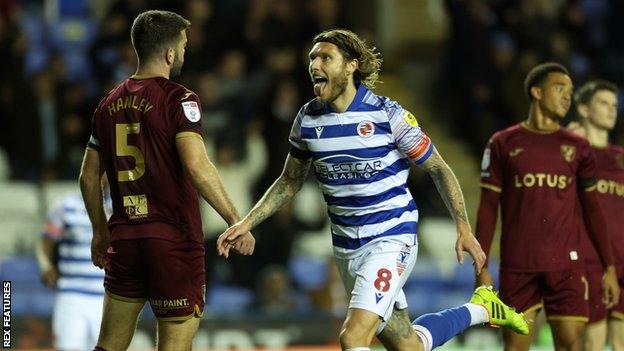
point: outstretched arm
(451, 193)
(283, 189)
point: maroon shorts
(171, 275)
(563, 294)
(597, 310)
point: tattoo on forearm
(449, 188)
(284, 188)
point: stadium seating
(308, 273)
(228, 300)
(29, 295)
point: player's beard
(338, 87)
(176, 67)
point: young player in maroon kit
(147, 137)
(596, 107)
(543, 176)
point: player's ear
(583, 110)
(352, 66)
(170, 56)
(536, 92)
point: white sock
(358, 349)
(425, 336)
(478, 314)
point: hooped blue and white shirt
(361, 161)
(68, 224)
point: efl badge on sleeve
(410, 119)
(485, 161)
(191, 111)
(568, 152)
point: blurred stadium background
(457, 65)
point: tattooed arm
(282, 191)
(447, 186)
(451, 193)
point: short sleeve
(93, 142)
(298, 147)
(492, 166)
(586, 172)
(187, 113)
(409, 137)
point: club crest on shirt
(568, 152)
(366, 129)
(515, 152)
(191, 110)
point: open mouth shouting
(319, 84)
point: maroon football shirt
(135, 128)
(539, 176)
(610, 190)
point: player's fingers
(223, 245)
(223, 237)
(459, 251)
(609, 298)
(220, 249)
(225, 248)
(220, 240)
(615, 297)
(477, 257)
(478, 266)
(228, 235)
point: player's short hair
(353, 48)
(154, 30)
(538, 74)
(587, 91)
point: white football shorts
(76, 321)
(374, 280)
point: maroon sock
(97, 348)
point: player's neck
(541, 122)
(597, 137)
(151, 71)
(342, 102)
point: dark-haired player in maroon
(147, 137)
(596, 108)
(543, 176)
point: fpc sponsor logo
(6, 314)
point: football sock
(478, 314)
(97, 348)
(434, 329)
